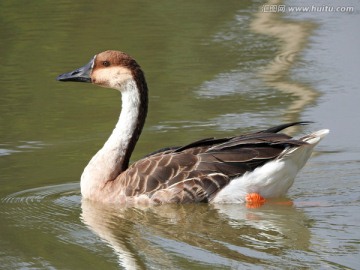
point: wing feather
(197, 171)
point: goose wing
(197, 171)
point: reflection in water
(22, 146)
(293, 37)
(161, 236)
(252, 52)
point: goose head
(110, 69)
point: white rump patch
(275, 177)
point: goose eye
(106, 63)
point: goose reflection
(225, 235)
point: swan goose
(211, 170)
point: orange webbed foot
(254, 200)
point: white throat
(106, 164)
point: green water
(214, 68)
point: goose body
(211, 170)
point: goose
(210, 170)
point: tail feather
(275, 177)
(276, 129)
(301, 154)
(315, 137)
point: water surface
(214, 69)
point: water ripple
(47, 205)
(41, 193)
